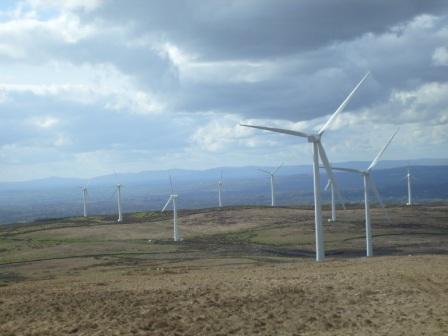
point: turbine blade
(330, 174)
(116, 177)
(167, 202)
(378, 156)
(378, 197)
(263, 171)
(276, 169)
(342, 106)
(279, 130)
(348, 170)
(171, 185)
(327, 185)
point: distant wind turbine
(120, 214)
(409, 178)
(220, 183)
(369, 183)
(318, 151)
(272, 178)
(84, 199)
(118, 191)
(172, 199)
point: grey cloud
(314, 84)
(322, 48)
(261, 29)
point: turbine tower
(272, 178)
(172, 199)
(84, 200)
(220, 191)
(120, 214)
(333, 203)
(318, 151)
(409, 178)
(369, 183)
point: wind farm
(218, 168)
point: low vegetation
(238, 271)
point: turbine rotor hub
(314, 138)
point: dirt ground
(238, 271)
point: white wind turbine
(409, 178)
(333, 203)
(85, 196)
(172, 199)
(84, 200)
(220, 183)
(118, 191)
(120, 213)
(369, 183)
(272, 178)
(318, 151)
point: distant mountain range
(61, 197)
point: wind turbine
(118, 191)
(172, 199)
(120, 214)
(272, 178)
(220, 191)
(333, 204)
(318, 151)
(84, 197)
(369, 183)
(409, 178)
(84, 200)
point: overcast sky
(88, 87)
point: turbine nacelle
(314, 138)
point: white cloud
(221, 133)
(440, 56)
(46, 122)
(19, 35)
(87, 5)
(137, 102)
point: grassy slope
(238, 270)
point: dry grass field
(238, 271)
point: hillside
(239, 270)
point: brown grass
(239, 271)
